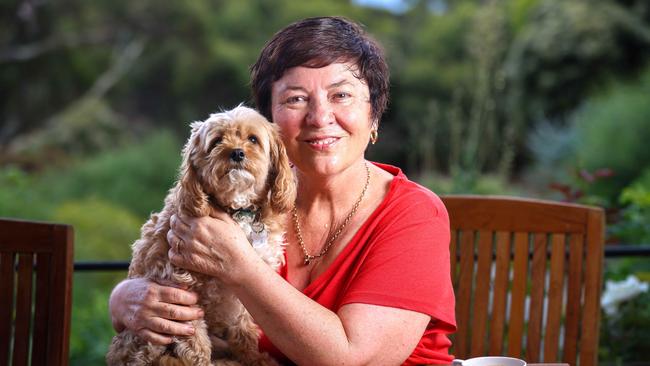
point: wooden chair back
(527, 276)
(35, 292)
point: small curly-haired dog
(235, 161)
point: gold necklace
(308, 257)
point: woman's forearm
(302, 329)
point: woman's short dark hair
(319, 42)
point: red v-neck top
(398, 258)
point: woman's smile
(322, 143)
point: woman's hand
(213, 245)
(154, 312)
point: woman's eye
(253, 139)
(341, 96)
(295, 99)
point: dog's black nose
(237, 155)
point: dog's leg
(243, 339)
(168, 360)
(197, 349)
(128, 349)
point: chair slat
(23, 309)
(453, 257)
(518, 295)
(499, 293)
(592, 286)
(61, 314)
(481, 294)
(41, 315)
(555, 297)
(7, 263)
(464, 292)
(536, 309)
(574, 299)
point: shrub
(91, 330)
(633, 225)
(625, 336)
(103, 231)
(608, 132)
(613, 133)
(467, 183)
(135, 177)
(20, 196)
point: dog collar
(244, 214)
(250, 217)
(255, 230)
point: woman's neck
(333, 193)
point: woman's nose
(320, 112)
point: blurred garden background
(536, 98)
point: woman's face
(324, 115)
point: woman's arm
(154, 312)
(305, 331)
(309, 334)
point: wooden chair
(527, 276)
(35, 292)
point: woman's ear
(283, 183)
(192, 198)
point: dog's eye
(216, 142)
(253, 139)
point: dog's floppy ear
(193, 200)
(283, 184)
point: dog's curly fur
(236, 161)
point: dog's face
(237, 158)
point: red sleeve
(407, 261)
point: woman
(367, 275)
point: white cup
(490, 361)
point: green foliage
(553, 151)
(136, 177)
(490, 68)
(462, 184)
(519, 12)
(91, 330)
(103, 231)
(608, 132)
(418, 126)
(565, 50)
(488, 140)
(633, 225)
(19, 197)
(625, 337)
(84, 128)
(613, 133)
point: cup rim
(460, 361)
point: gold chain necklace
(307, 257)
